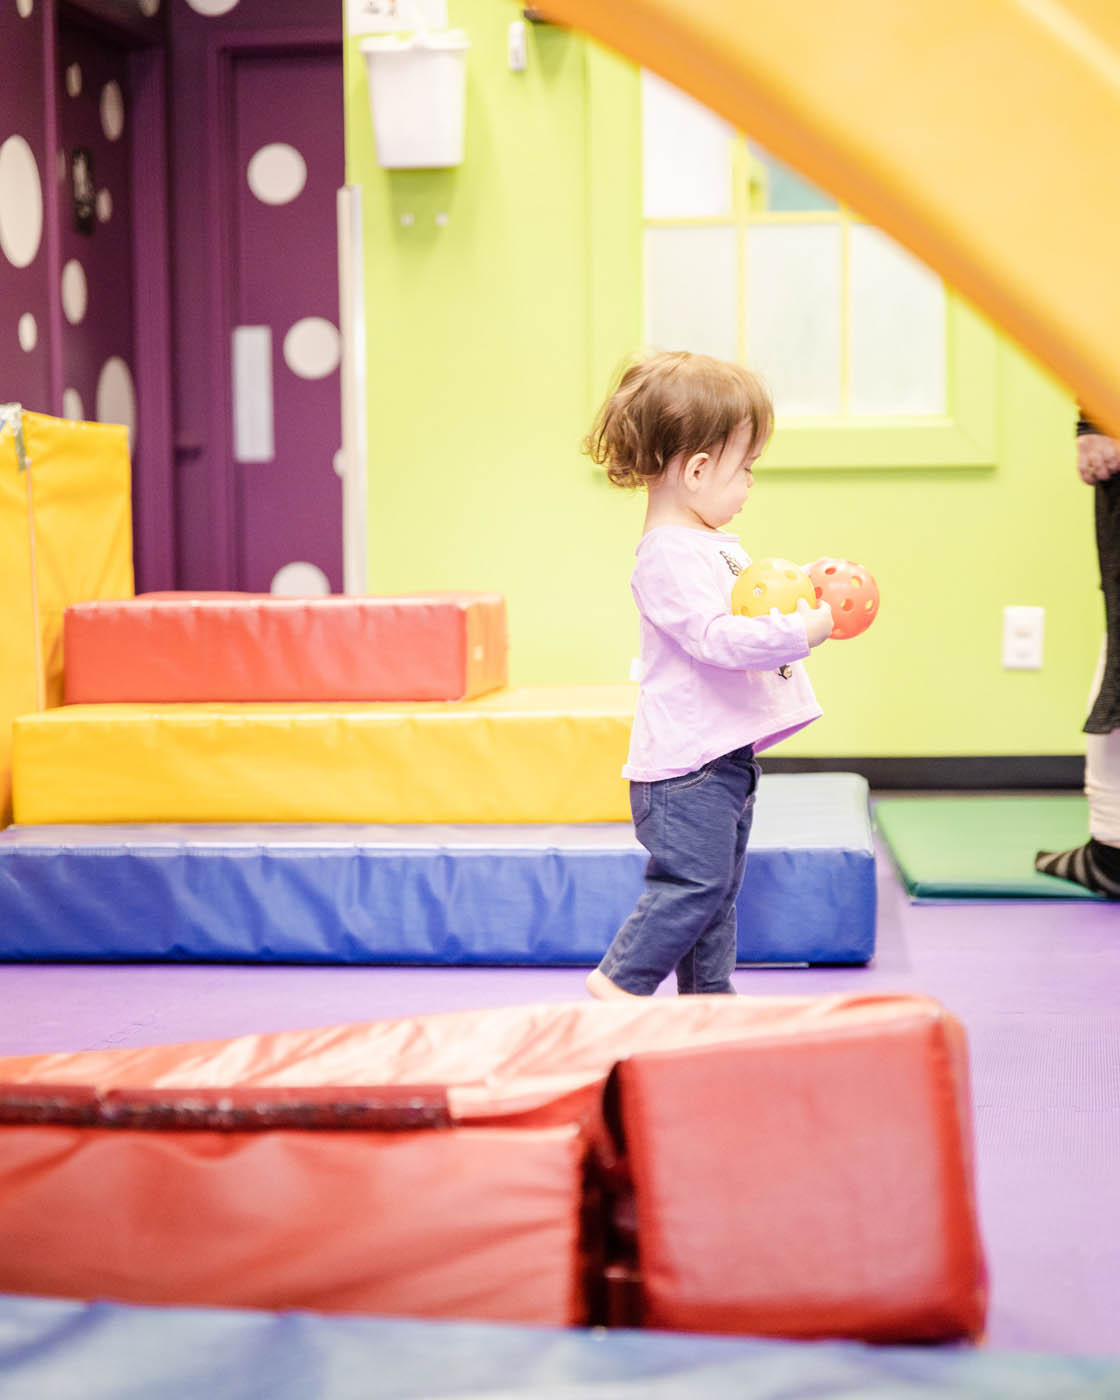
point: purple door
(96, 233)
(284, 344)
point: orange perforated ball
(851, 593)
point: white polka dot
(25, 8)
(312, 348)
(74, 79)
(112, 111)
(75, 293)
(104, 206)
(116, 397)
(28, 332)
(149, 8)
(72, 406)
(21, 202)
(300, 580)
(212, 7)
(277, 173)
(338, 461)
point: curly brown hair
(674, 402)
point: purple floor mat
(1036, 985)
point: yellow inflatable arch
(982, 134)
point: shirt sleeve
(677, 591)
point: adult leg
(1096, 864)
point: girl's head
(671, 406)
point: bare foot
(603, 989)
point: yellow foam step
(521, 755)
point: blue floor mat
(485, 895)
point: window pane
(793, 314)
(692, 296)
(775, 188)
(896, 329)
(686, 155)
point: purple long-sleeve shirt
(711, 682)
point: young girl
(715, 688)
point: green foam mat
(982, 847)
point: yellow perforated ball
(771, 583)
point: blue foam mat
(481, 895)
(103, 1351)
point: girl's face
(727, 478)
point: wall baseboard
(991, 772)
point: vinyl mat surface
(982, 847)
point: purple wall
(95, 119)
(25, 291)
(209, 552)
(185, 508)
(289, 508)
(87, 79)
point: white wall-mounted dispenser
(418, 97)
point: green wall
(492, 337)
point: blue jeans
(695, 829)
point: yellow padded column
(18, 667)
(65, 537)
(82, 513)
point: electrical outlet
(1022, 638)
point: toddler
(715, 688)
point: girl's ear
(693, 469)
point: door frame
(153, 500)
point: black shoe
(1094, 865)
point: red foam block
(812, 1186)
(800, 1167)
(169, 647)
(478, 1223)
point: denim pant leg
(708, 966)
(691, 827)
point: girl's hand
(818, 621)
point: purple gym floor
(1036, 984)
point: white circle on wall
(112, 110)
(75, 293)
(25, 7)
(276, 173)
(116, 397)
(312, 348)
(338, 462)
(74, 79)
(21, 202)
(28, 332)
(300, 580)
(148, 8)
(72, 406)
(104, 206)
(212, 7)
